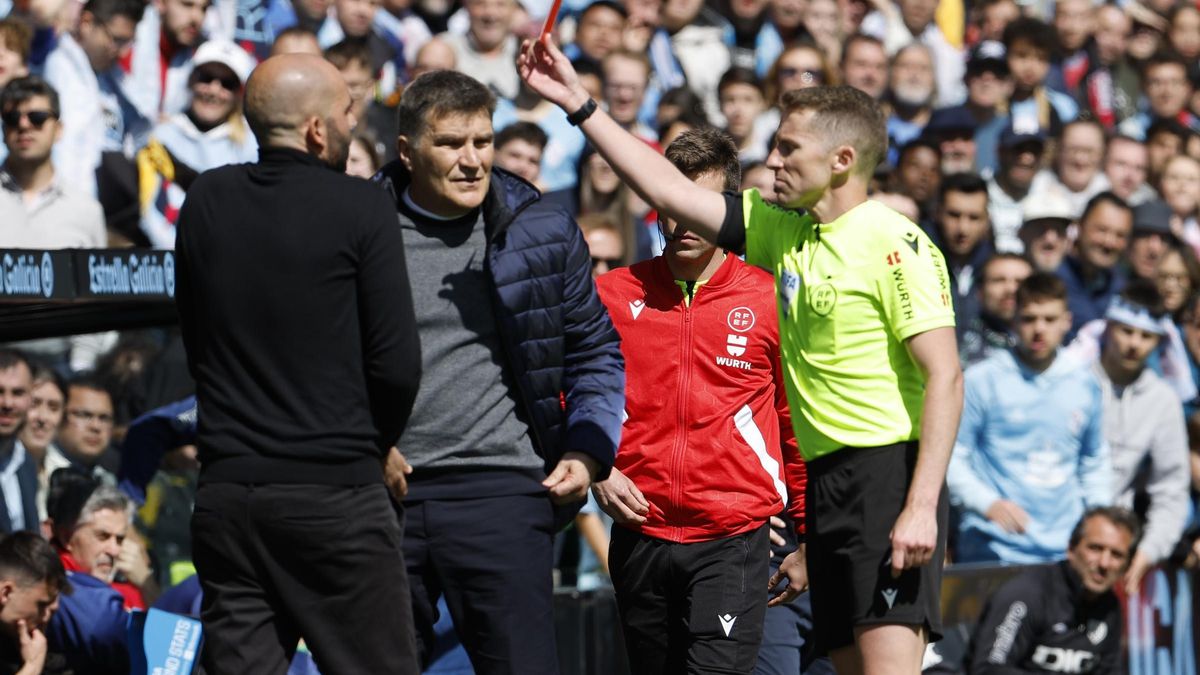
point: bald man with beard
(296, 312)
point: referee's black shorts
(853, 499)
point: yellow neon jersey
(849, 293)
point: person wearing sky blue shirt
(1031, 454)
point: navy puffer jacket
(556, 332)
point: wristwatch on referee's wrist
(585, 111)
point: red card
(551, 18)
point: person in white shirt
(1077, 167)
(1010, 187)
(1144, 425)
(83, 69)
(488, 51)
(156, 72)
(40, 431)
(38, 208)
(53, 214)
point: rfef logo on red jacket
(741, 319)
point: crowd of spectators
(1050, 149)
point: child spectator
(1180, 189)
(519, 148)
(363, 160)
(15, 39)
(742, 104)
(1029, 45)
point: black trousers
(278, 563)
(492, 559)
(691, 608)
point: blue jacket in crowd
(561, 345)
(1088, 301)
(91, 627)
(1035, 439)
(149, 438)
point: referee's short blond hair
(845, 116)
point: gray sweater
(465, 416)
(1144, 426)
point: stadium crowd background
(1061, 137)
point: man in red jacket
(708, 454)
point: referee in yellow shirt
(867, 334)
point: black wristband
(585, 111)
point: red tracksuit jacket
(708, 439)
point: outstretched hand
(549, 72)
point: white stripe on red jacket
(708, 439)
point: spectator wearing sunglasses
(801, 65)
(82, 68)
(605, 242)
(45, 211)
(211, 132)
(39, 206)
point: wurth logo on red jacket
(736, 344)
(708, 439)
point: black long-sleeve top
(1041, 621)
(295, 308)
